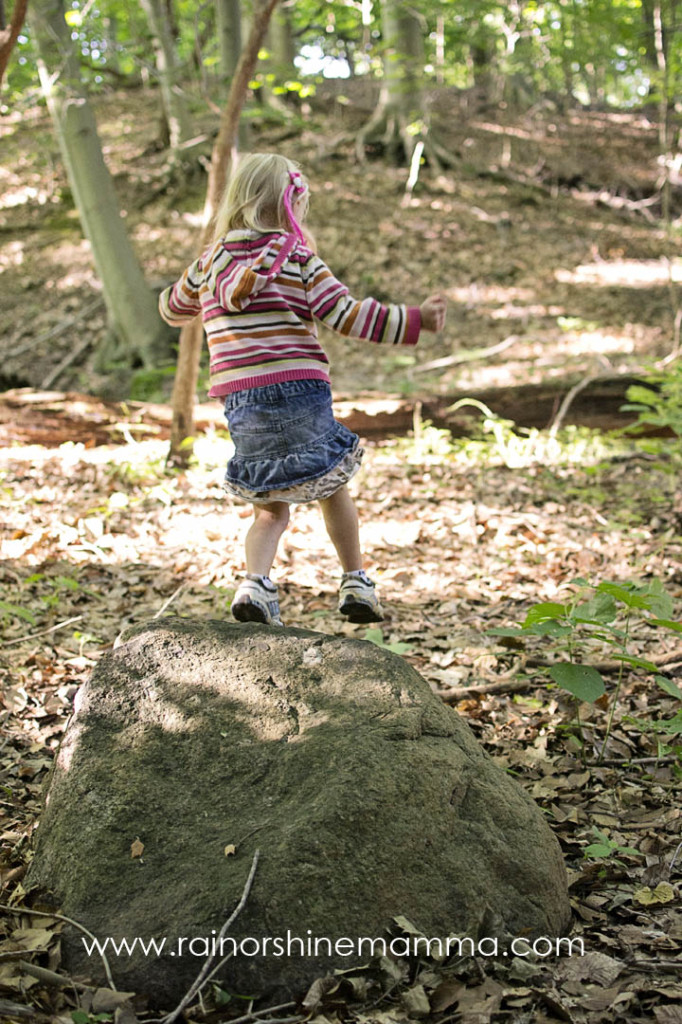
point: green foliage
(376, 636)
(605, 849)
(220, 996)
(10, 611)
(597, 617)
(519, 447)
(659, 405)
(82, 1017)
(151, 385)
(597, 52)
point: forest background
(525, 159)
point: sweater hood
(244, 277)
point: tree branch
(204, 974)
(224, 151)
(9, 35)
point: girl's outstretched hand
(433, 313)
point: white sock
(265, 580)
(359, 574)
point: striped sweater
(259, 295)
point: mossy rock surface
(367, 797)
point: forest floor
(544, 235)
(463, 536)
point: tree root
(389, 127)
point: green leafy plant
(82, 1017)
(666, 728)
(601, 616)
(10, 611)
(608, 849)
(659, 405)
(151, 384)
(375, 636)
(518, 447)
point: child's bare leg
(341, 521)
(357, 598)
(270, 522)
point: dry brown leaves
(98, 539)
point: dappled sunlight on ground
(436, 527)
(462, 538)
(514, 249)
(625, 273)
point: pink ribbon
(295, 188)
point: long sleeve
(331, 302)
(181, 303)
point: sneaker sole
(247, 611)
(359, 612)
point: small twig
(49, 977)
(283, 1020)
(201, 978)
(672, 862)
(659, 660)
(54, 332)
(615, 761)
(256, 1014)
(42, 632)
(413, 176)
(17, 1010)
(169, 601)
(655, 965)
(75, 924)
(71, 357)
(253, 831)
(86, 10)
(570, 396)
(20, 870)
(508, 686)
(469, 355)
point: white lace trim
(312, 490)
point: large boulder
(196, 742)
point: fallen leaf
(407, 926)
(105, 1000)
(593, 967)
(32, 938)
(416, 1002)
(317, 991)
(230, 850)
(136, 848)
(646, 897)
(446, 995)
(668, 1014)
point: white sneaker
(256, 601)
(357, 599)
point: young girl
(259, 288)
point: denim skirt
(288, 446)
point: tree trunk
(661, 42)
(131, 305)
(567, 39)
(230, 24)
(224, 152)
(649, 37)
(174, 106)
(9, 33)
(483, 51)
(400, 120)
(229, 27)
(278, 67)
(282, 48)
(401, 98)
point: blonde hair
(254, 197)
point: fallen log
(51, 418)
